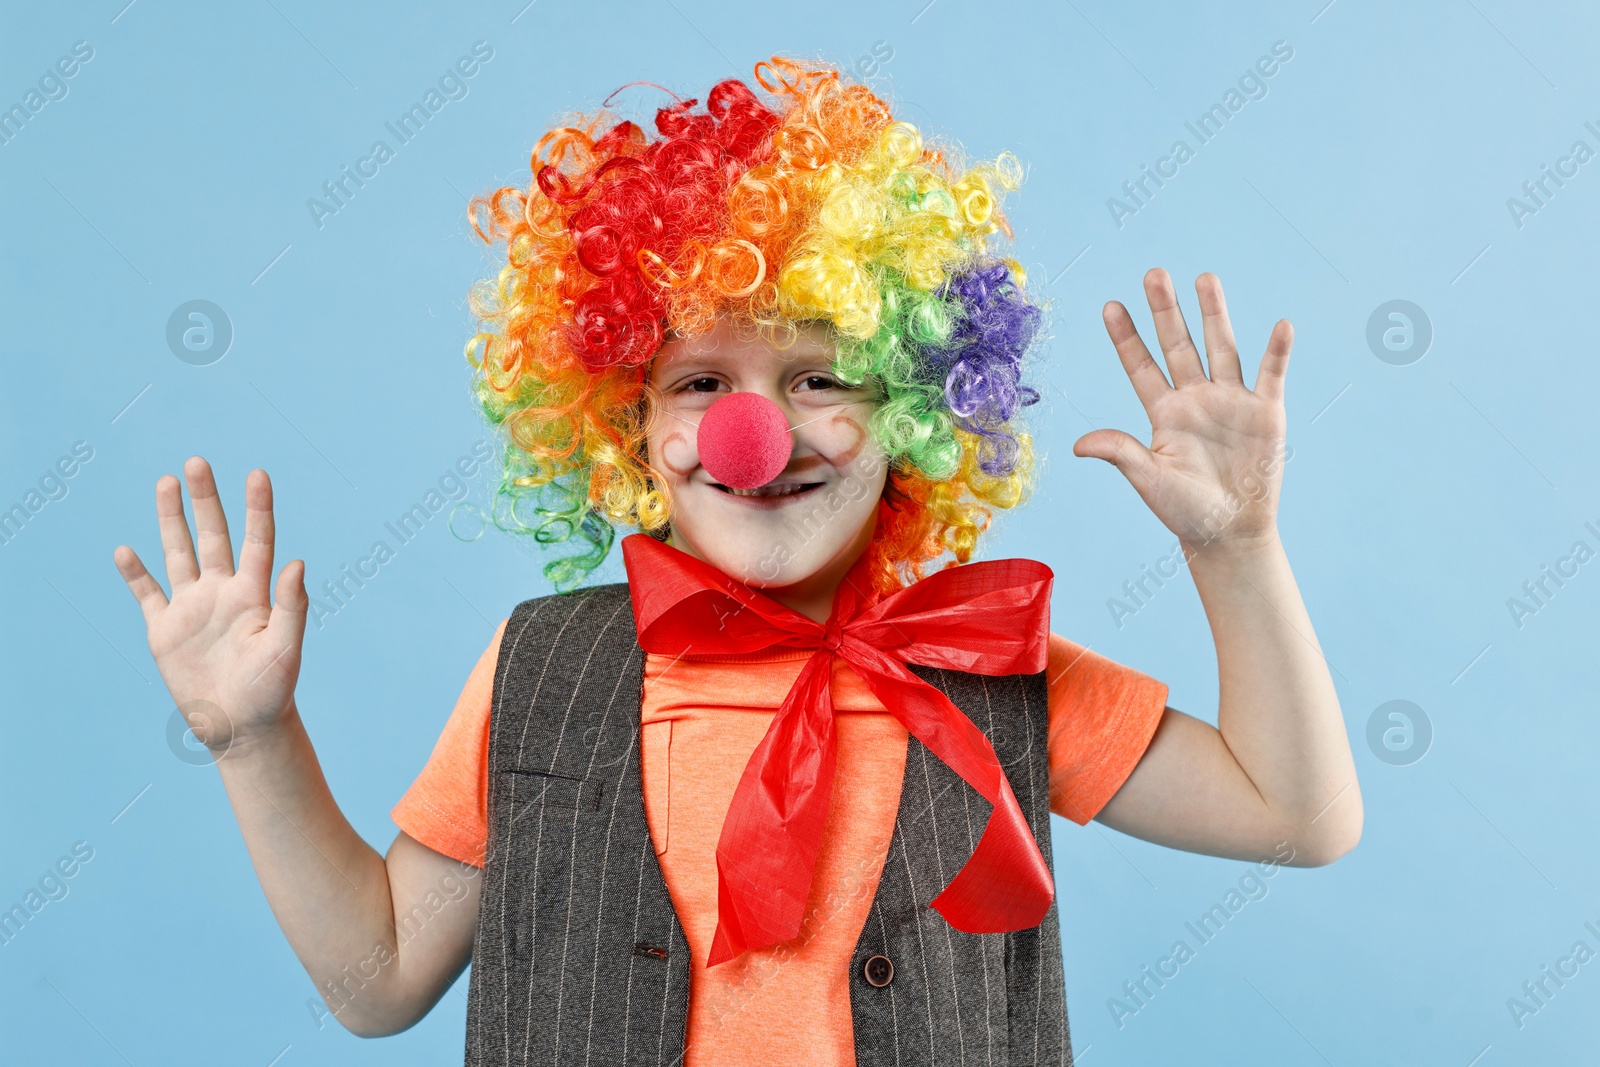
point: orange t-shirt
(701, 718)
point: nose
(744, 440)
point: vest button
(878, 970)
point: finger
(287, 623)
(1275, 363)
(255, 555)
(177, 549)
(1222, 354)
(1143, 371)
(1122, 450)
(1183, 359)
(146, 590)
(210, 524)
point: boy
(711, 816)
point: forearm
(328, 888)
(1278, 711)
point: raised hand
(1214, 467)
(230, 657)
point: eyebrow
(722, 357)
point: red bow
(991, 617)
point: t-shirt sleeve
(1102, 716)
(447, 806)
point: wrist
(1234, 552)
(262, 745)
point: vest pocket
(547, 823)
(547, 791)
(656, 742)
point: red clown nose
(744, 440)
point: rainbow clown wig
(815, 204)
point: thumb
(287, 623)
(1122, 450)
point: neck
(811, 596)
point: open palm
(230, 657)
(1214, 466)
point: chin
(778, 572)
(763, 559)
(773, 547)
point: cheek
(843, 440)
(676, 452)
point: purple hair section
(982, 360)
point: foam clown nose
(744, 440)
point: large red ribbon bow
(990, 617)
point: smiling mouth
(771, 492)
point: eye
(692, 385)
(827, 382)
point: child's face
(803, 539)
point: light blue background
(1418, 500)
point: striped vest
(579, 956)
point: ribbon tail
(767, 852)
(1005, 884)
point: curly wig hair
(813, 205)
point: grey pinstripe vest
(579, 956)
